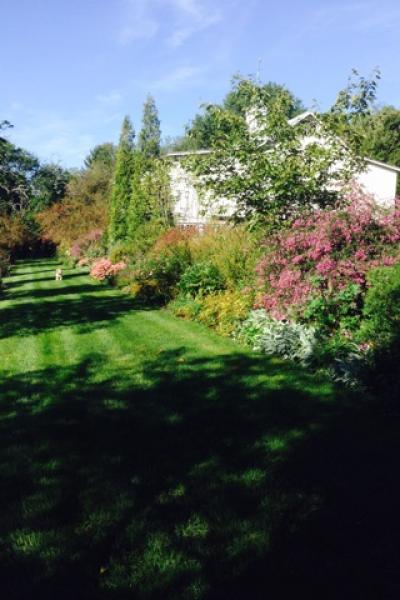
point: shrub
(104, 269)
(4, 262)
(120, 252)
(186, 307)
(201, 279)
(380, 333)
(234, 251)
(272, 337)
(343, 359)
(89, 246)
(173, 237)
(322, 254)
(136, 248)
(381, 312)
(153, 276)
(338, 310)
(17, 234)
(224, 311)
(155, 280)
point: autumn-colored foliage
(84, 209)
(172, 238)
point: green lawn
(144, 457)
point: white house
(378, 180)
(189, 208)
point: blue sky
(71, 69)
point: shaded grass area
(143, 457)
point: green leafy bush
(381, 313)
(186, 307)
(278, 338)
(139, 244)
(380, 332)
(155, 280)
(341, 357)
(201, 279)
(335, 311)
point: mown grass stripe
(143, 456)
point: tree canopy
(267, 169)
(150, 134)
(26, 185)
(102, 154)
(205, 127)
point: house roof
(378, 163)
(188, 153)
(302, 117)
(294, 121)
(308, 114)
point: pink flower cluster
(103, 269)
(324, 252)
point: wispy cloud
(177, 78)
(146, 18)
(141, 22)
(193, 16)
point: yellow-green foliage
(140, 244)
(234, 250)
(145, 292)
(186, 307)
(223, 311)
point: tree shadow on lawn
(88, 313)
(27, 267)
(84, 288)
(224, 477)
(10, 284)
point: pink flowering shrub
(75, 250)
(103, 269)
(86, 245)
(325, 252)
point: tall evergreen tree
(122, 184)
(151, 194)
(138, 211)
(150, 135)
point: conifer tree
(151, 194)
(138, 203)
(122, 184)
(150, 134)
